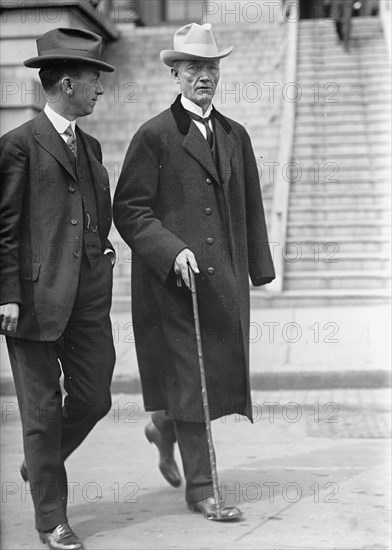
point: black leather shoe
(167, 464)
(208, 509)
(61, 538)
(23, 471)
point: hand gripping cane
(211, 450)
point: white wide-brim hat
(194, 41)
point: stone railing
(281, 188)
(386, 15)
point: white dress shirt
(190, 106)
(59, 122)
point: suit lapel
(51, 141)
(100, 180)
(98, 172)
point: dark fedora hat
(74, 45)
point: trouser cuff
(50, 521)
(197, 494)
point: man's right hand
(184, 258)
(9, 315)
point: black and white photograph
(195, 274)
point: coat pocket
(29, 271)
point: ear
(66, 85)
(174, 73)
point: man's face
(198, 80)
(86, 90)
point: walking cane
(211, 450)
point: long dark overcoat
(172, 195)
(41, 229)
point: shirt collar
(190, 106)
(59, 122)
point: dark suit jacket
(41, 224)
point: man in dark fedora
(189, 195)
(56, 272)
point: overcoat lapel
(50, 140)
(195, 144)
(225, 145)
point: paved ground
(311, 473)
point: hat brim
(47, 60)
(170, 56)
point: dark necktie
(71, 140)
(205, 121)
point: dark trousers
(85, 354)
(193, 445)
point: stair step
(337, 56)
(344, 187)
(348, 102)
(121, 303)
(318, 138)
(122, 286)
(318, 298)
(332, 259)
(353, 200)
(344, 244)
(356, 150)
(357, 213)
(339, 119)
(298, 230)
(337, 280)
(336, 126)
(311, 61)
(342, 74)
(326, 90)
(331, 173)
(341, 161)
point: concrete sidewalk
(312, 472)
(296, 348)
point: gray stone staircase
(338, 233)
(337, 244)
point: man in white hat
(189, 195)
(56, 272)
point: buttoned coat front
(172, 195)
(41, 230)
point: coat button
(76, 254)
(208, 211)
(210, 240)
(74, 222)
(208, 181)
(211, 270)
(71, 189)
